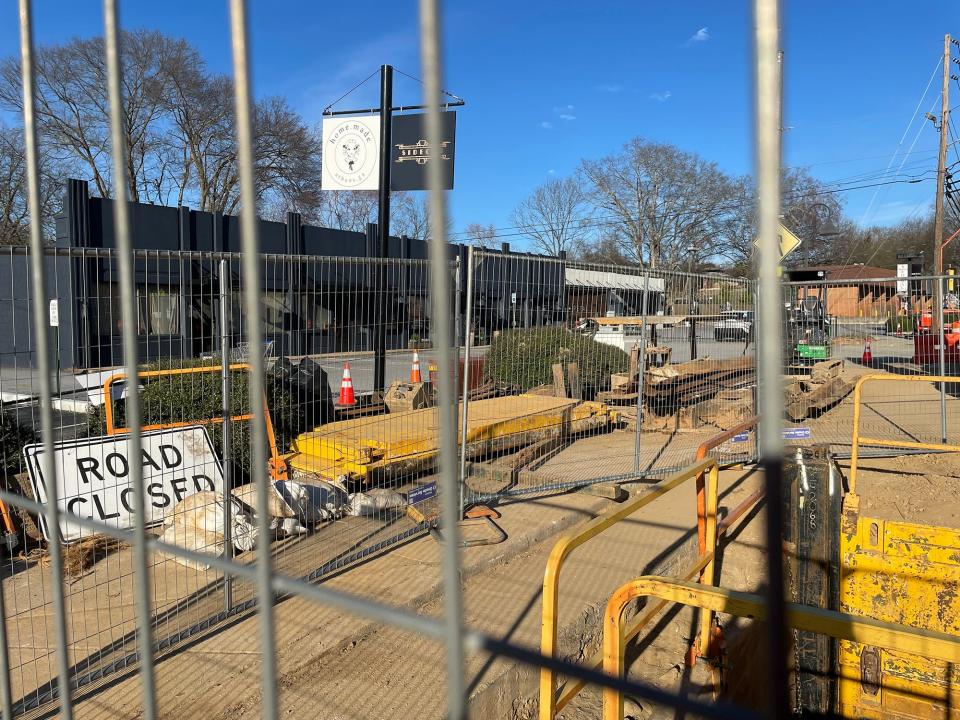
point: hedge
(13, 437)
(196, 396)
(525, 357)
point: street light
(822, 228)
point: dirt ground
(912, 488)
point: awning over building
(576, 277)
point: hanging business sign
(94, 476)
(411, 153)
(351, 153)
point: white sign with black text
(903, 271)
(95, 476)
(351, 154)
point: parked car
(734, 325)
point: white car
(734, 325)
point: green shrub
(525, 357)
(197, 396)
(13, 436)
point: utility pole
(383, 226)
(936, 315)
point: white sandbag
(202, 510)
(190, 538)
(244, 536)
(375, 501)
(204, 513)
(247, 494)
(311, 502)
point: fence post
(467, 345)
(941, 342)
(641, 367)
(226, 440)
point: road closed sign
(94, 476)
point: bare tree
(481, 236)
(178, 125)
(72, 108)
(348, 209)
(662, 200)
(410, 215)
(554, 216)
(14, 213)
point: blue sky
(549, 83)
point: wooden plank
(573, 372)
(559, 382)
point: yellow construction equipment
(899, 572)
(385, 447)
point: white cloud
(610, 88)
(546, 125)
(567, 116)
(551, 171)
(701, 35)
(563, 109)
(661, 96)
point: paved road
(361, 368)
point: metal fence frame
(450, 629)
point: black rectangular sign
(411, 153)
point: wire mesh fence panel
(351, 437)
(588, 373)
(836, 331)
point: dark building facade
(320, 291)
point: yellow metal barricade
(550, 703)
(895, 638)
(276, 467)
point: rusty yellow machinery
(898, 572)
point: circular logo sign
(351, 153)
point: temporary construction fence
(45, 654)
(320, 315)
(859, 326)
(669, 356)
(363, 479)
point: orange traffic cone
(867, 358)
(415, 368)
(346, 387)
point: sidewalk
(333, 665)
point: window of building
(158, 311)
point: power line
(608, 221)
(905, 131)
(836, 185)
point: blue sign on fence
(794, 433)
(421, 493)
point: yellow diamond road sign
(788, 241)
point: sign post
(383, 225)
(351, 154)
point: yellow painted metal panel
(363, 445)
(908, 574)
